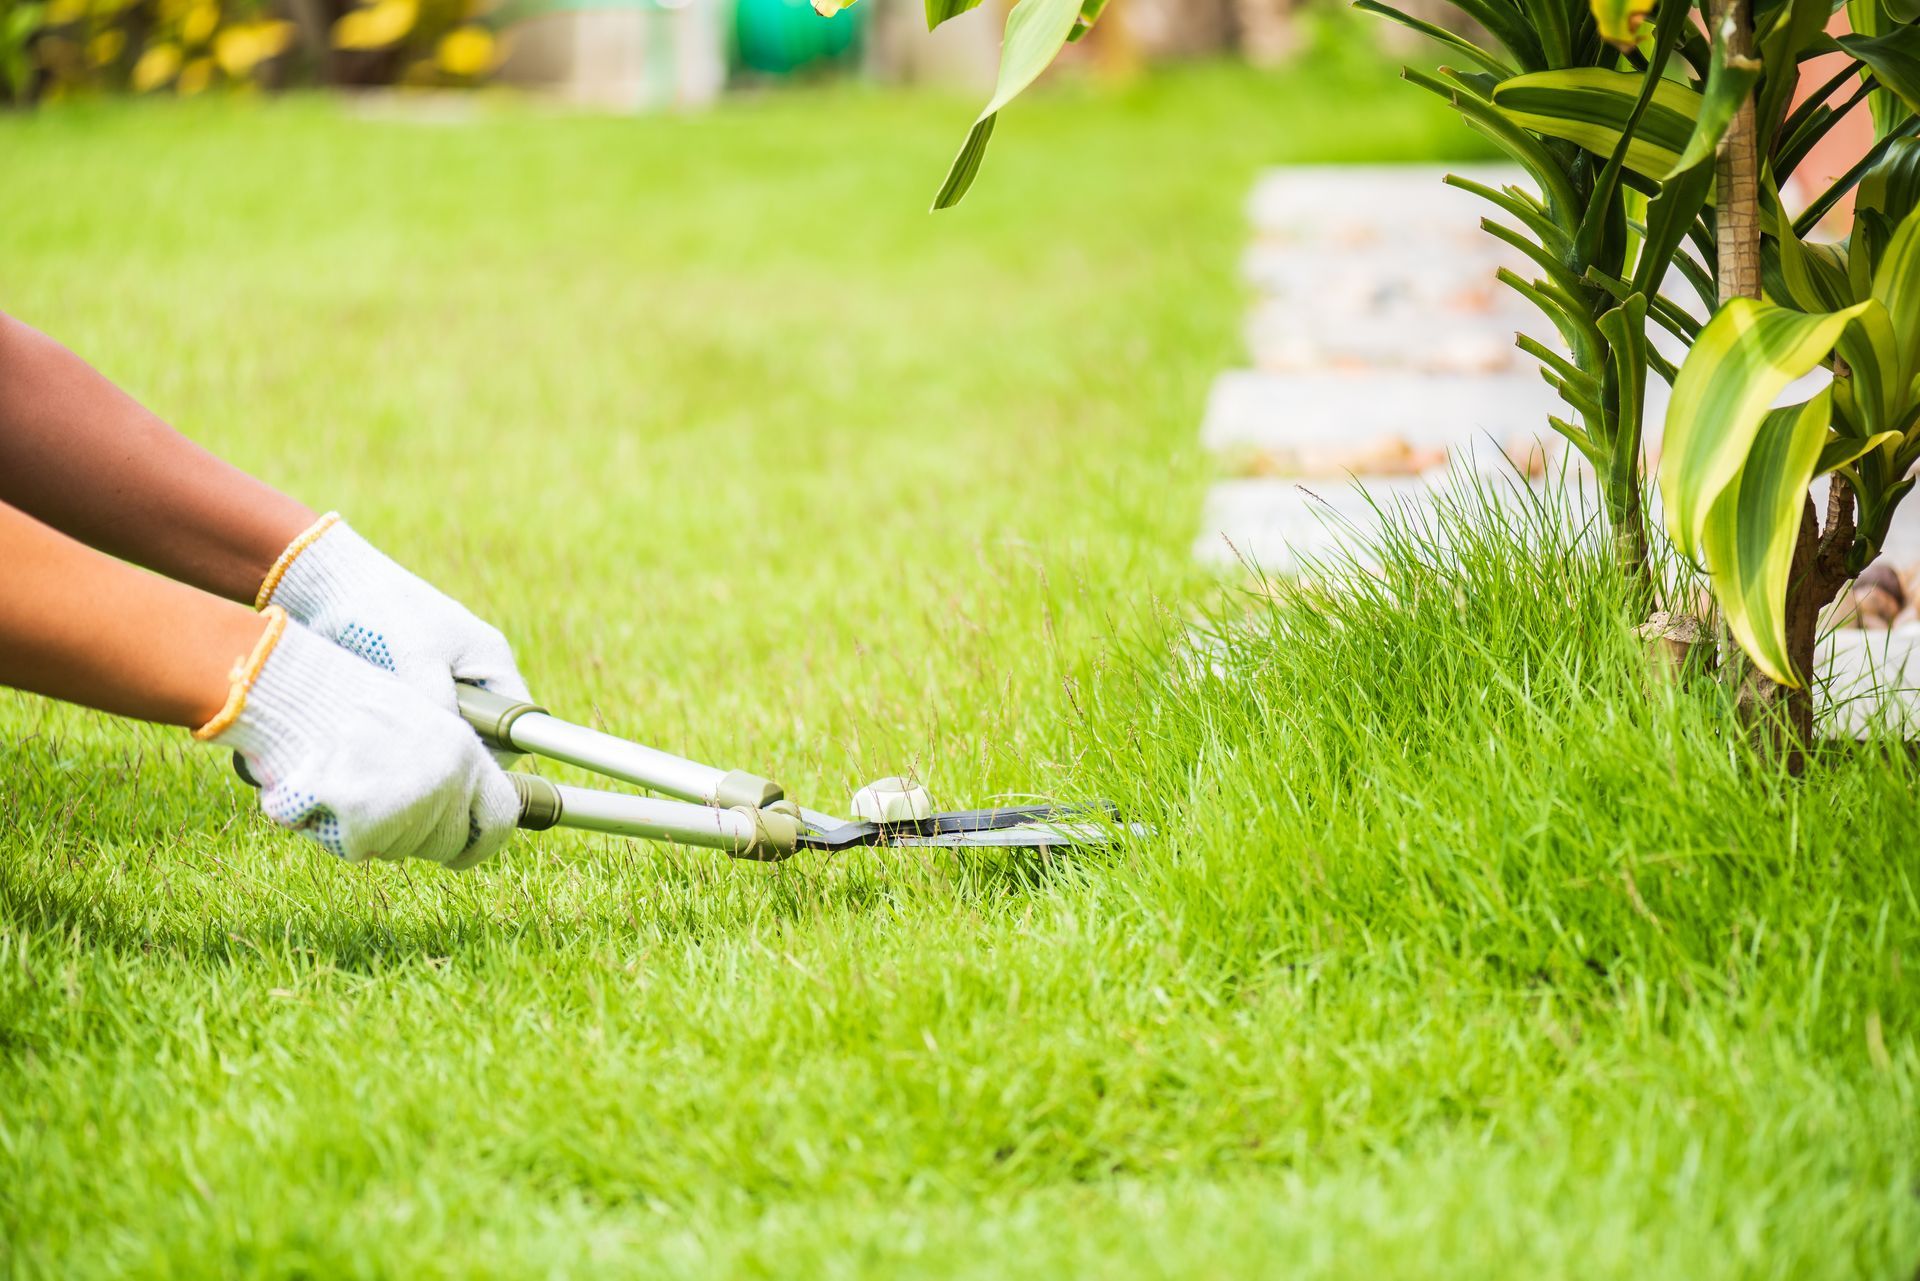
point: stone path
(1382, 367)
(1382, 359)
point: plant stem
(1737, 167)
(1778, 716)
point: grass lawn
(1458, 954)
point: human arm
(79, 454)
(346, 753)
(85, 628)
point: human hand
(339, 586)
(354, 758)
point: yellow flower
(382, 23)
(156, 66)
(194, 77)
(239, 49)
(466, 51)
(106, 46)
(199, 23)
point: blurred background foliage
(52, 49)
(56, 49)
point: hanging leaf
(1750, 531)
(1036, 32)
(939, 11)
(1090, 11)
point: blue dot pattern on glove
(303, 812)
(368, 644)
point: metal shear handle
(743, 831)
(515, 726)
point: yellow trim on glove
(244, 674)
(308, 537)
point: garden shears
(743, 814)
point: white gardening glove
(352, 757)
(337, 584)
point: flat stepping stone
(1352, 204)
(1870, 680)
(1397, 336)
(1336, 277)
(1246, 408)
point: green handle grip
(492, 715)
(540, 806)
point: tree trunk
(1737, 167)
(1779, 716)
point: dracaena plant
(1605, 219)
(1736, 470)
(1656, 136)
(1736, 475)
(1706, 138)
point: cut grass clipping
(1459, 953)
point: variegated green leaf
(1036, 32)
(1439, 35)
(1750, 531)
(1896, 286)
(1882, 346)
(1844, 451)
(1888, 192)
(1812, 276)
(1743, 358)
(1870, 19)
(1868, 396)
(1783, 39)
(1591, 105)
(1894, 59)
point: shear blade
(1005, 837)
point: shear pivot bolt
(892, 800)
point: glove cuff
(304, 540)
(280, 694)
(245, 672)
(323, 571)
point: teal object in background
(780, 37)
